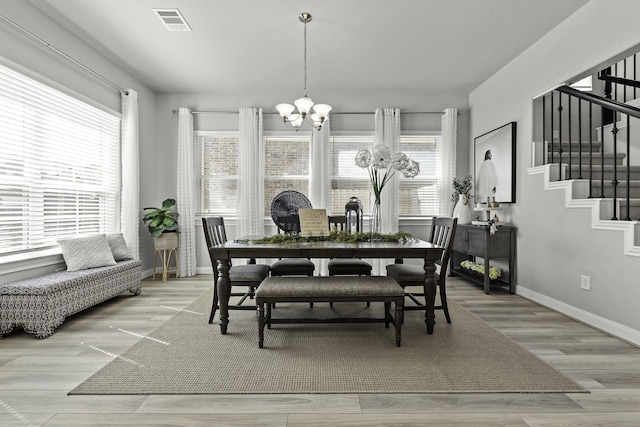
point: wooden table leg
(261, 324)
(398, 323)
(430, 294)
(224, 290)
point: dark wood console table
(473, 241)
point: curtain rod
(332, 114)
(64, 55)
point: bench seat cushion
(329, 287)
(62, 280)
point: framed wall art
(495, 165)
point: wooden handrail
(618, 80)
(603, 102)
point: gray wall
(158, 125)
(20, 51)
(556, 245)
(414, 101)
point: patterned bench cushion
(54, 282)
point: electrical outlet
(585, 282)
(556, 134)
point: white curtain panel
(448, 168)
(321, 168)
(251, 172)
(186, 195)
(320, 182)
(387, 131)
(130, 196)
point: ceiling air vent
(172, 19)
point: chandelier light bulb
(304, 105)
(316, 120)
(322, 110)
(297, 122)
(285, 110)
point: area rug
(186, 355)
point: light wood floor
(35, 375)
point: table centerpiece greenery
(339, 237)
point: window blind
(59, 166)
(418, 195)
(217, 160)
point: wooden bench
(329, 289)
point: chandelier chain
(305, 58)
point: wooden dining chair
(284, 212)
(249, 275)
(346, 266)
(443, 230)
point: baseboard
(622, 332)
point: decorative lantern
(353, 214)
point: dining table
(249, 248)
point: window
(418, 195)
(59, 166)
(287, 167)
(218, 158)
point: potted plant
(461, 195)
(163, 224)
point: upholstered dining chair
(249, 275)
(346, 266)
(443, 230)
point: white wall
(20, 51)
(555, 245)
(413, 101)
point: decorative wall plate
(284, 210)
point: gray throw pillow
(86, 252)
(118, 247)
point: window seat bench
(40, 304)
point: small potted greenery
(461, 195)
(163, 224)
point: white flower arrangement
(494, 272)
(379, 158)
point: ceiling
(434, 46)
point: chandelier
(320, 111)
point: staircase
(600, 167)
